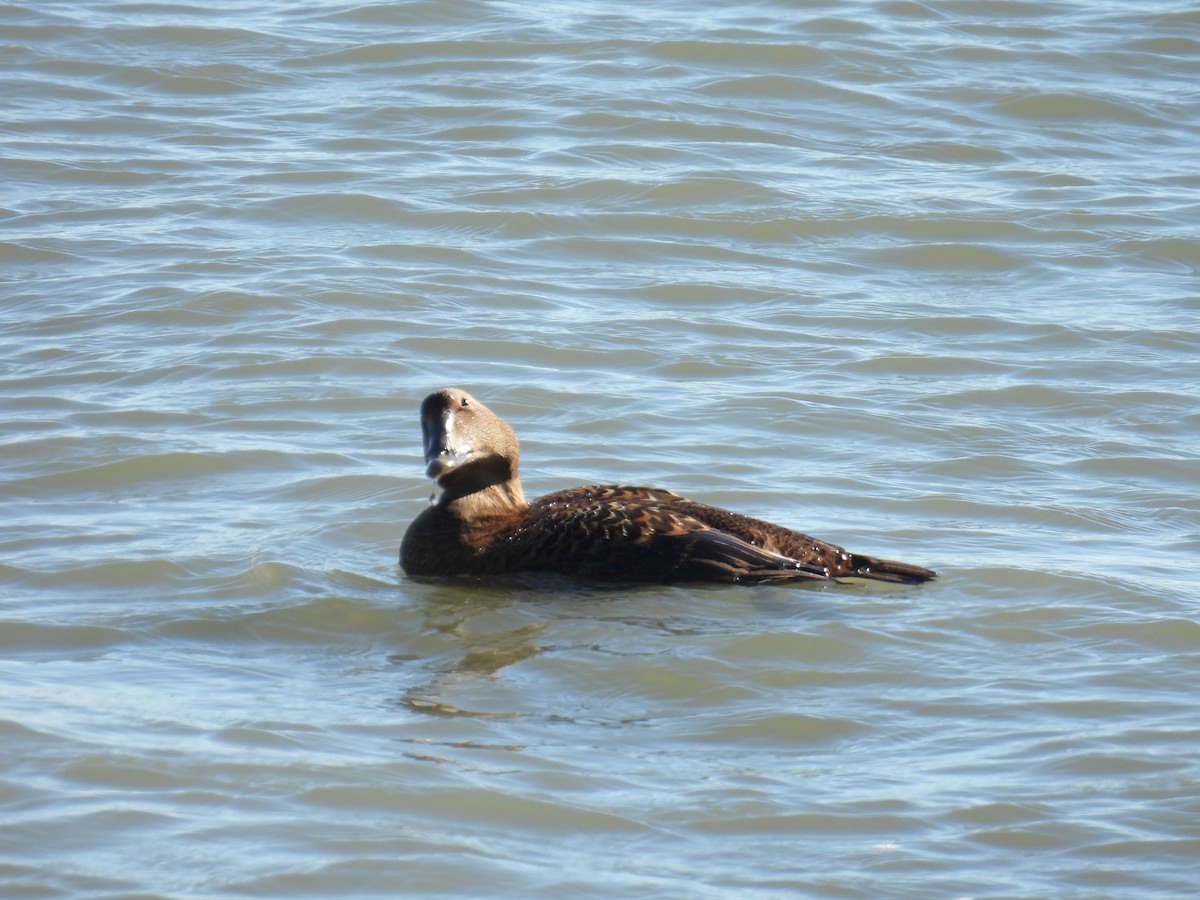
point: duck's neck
(501, 499)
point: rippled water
(917, 277)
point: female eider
(480, 524)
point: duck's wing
(837, 561)
(619, 533)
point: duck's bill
(443, 462)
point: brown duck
(479, 522)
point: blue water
(918, 278)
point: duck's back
(633, 534)
(621, 533)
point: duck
(478, 522)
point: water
(915, 277)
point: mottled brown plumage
(480, 524)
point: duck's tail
(863, 566)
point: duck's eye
(465, 403)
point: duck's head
(467, 446)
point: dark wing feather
(641, 534)
(838, 562)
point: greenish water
(919, 278)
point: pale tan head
(467, 446)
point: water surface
(919, 278)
